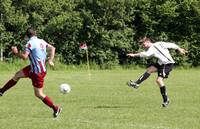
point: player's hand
(14, 49)
(51, 63)
(131, 55)
(182, 51)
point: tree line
(111, 28)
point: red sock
(8, 85)
(49, 103)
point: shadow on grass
(108, 106)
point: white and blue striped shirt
(37, 54)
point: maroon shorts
(37, 78)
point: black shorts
(163, 70)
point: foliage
(111, 28)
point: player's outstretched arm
(133, 54)
(52, 54)
(23, 55)
(174, 46)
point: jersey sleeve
(28, 47)
(147, 53)
(45, 43)
(170, 45)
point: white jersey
(160, 51)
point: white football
(65, 88)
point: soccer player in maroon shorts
(35, 50)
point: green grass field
(103, 101)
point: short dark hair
(143, 39)
(30, 32)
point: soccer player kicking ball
(162, 67)
(35, 49)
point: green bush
(111, 28)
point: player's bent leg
(135, 84)
(18, 75)
(151, 69)
(146, 75)
(12, 82)
(45, 99)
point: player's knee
(17, 76)
(151, 70)
(159, 81)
